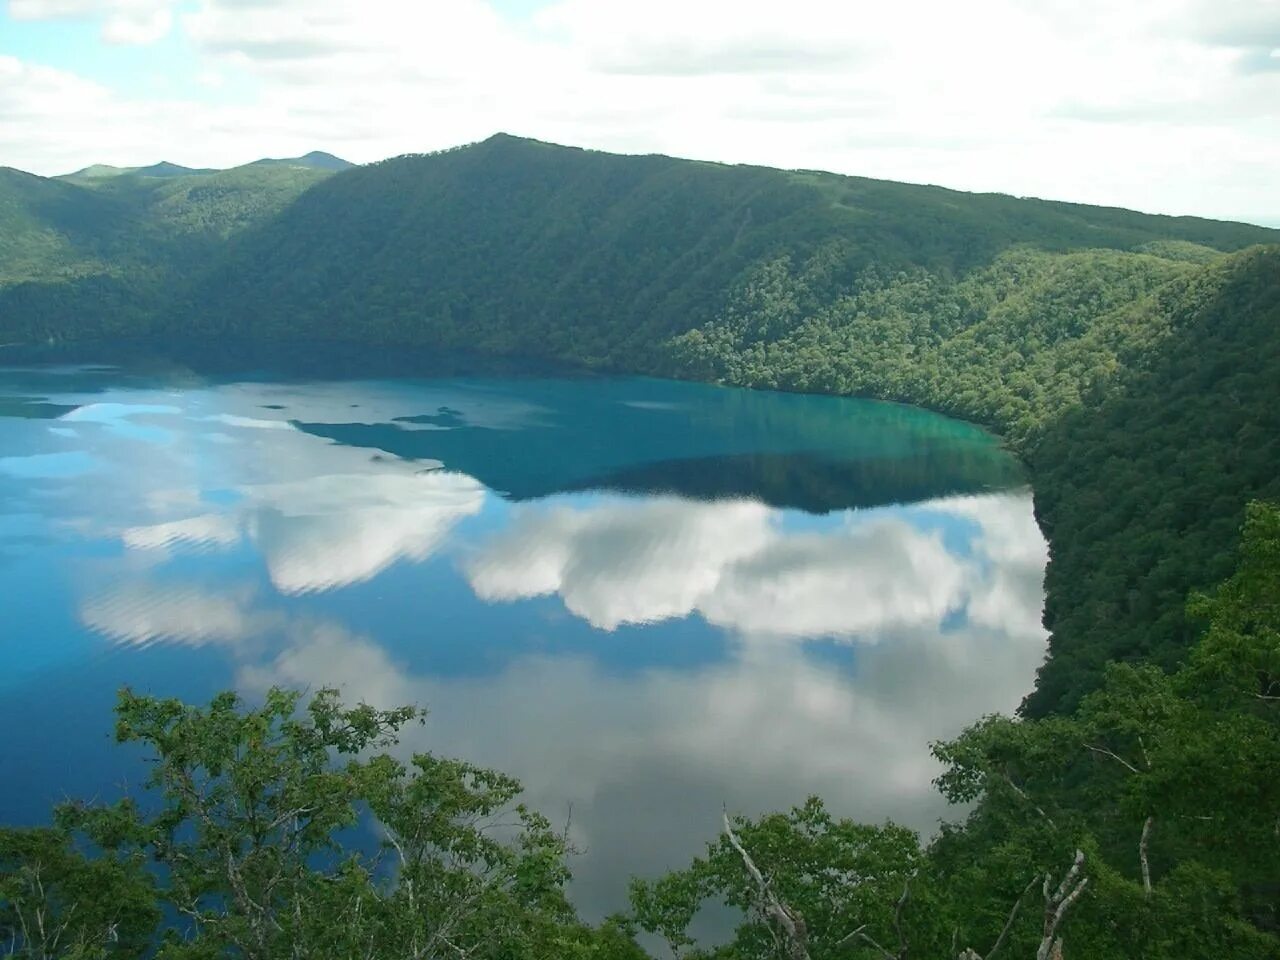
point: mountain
(316, 160)
(100, 252)
(166, 169)
(50, 228)
(1061, 326)
(603, 256)
(163, 169)
(1130, 360)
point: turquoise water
(647, 599)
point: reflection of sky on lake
(641, 654)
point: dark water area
(646, 599)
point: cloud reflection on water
(643, 560)
(854, 643)
(647, 759)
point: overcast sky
(1170, 106)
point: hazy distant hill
(316, 159)
(163, 169)
(109, 219)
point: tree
(255, 833)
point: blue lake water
(646, 599)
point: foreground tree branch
(1142, 855)
(1056, 905)
(788, 920)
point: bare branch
(790, 920)
(1023, 794)
(1142, 855)
(848, 936)
(897, 916)
(1008, 924)
(1114, 756)
(1057, 904)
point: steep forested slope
(1142, 494)
(1141, 389)
(50, 229)
(93, 255)
(515, 245)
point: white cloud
(142, 612)
(1158, 104)
(340, 529)
(672, 38)
(209, 529)
(332, 530)
(130, 22)
(323, 515)
(638, 561)
(626, 562)
(51, 9)
(859, 581)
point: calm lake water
(646, 599)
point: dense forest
(98, 252)
(1130, 360)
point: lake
(646, 599)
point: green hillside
(1142, 489)
(93, 255)
(515, 245)
(52, 230)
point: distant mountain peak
(98, 171)
(166, 169)
(316, 159)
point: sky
(1168, 106)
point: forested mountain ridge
(98, 254)
(1142, 490)
(516, 245)
(1026, 315)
